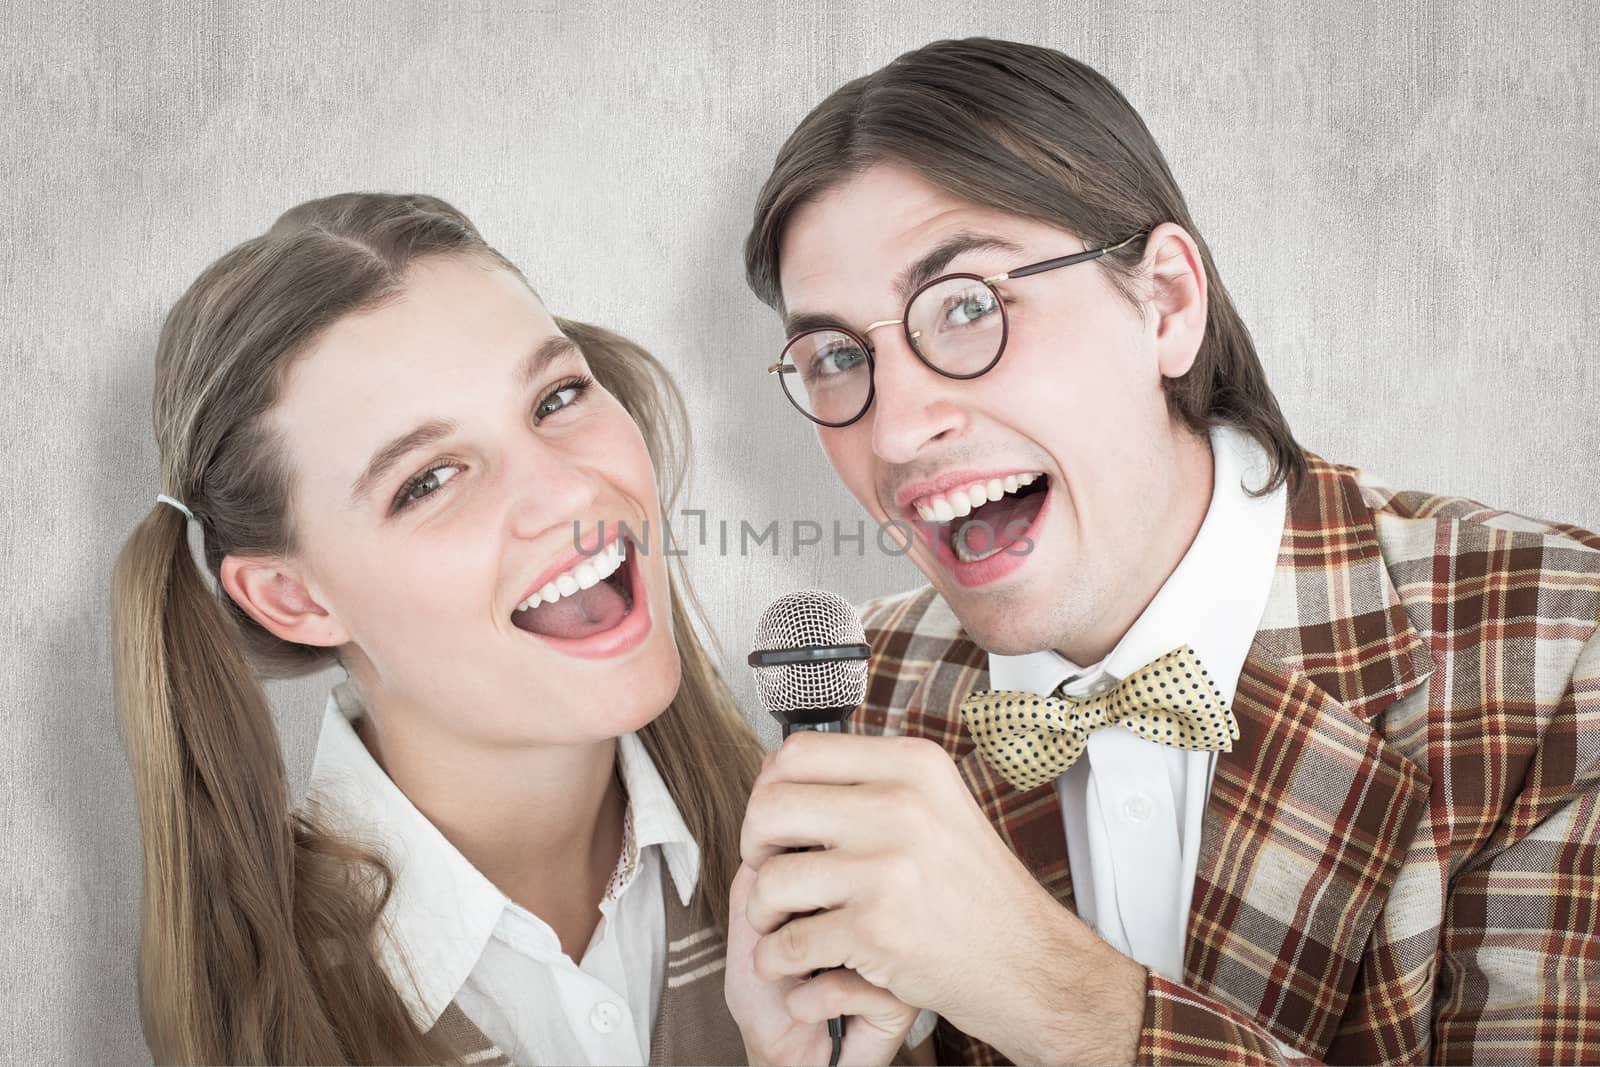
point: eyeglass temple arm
(1061, 261)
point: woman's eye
(428, 482)
(433, 479)
(560, 398)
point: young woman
(524, 811)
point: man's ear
(271, 592)
(1176, 280)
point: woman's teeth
(943, 507)
(585, 575)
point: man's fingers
(782, 816)
(741, 938)
(844, 992)
(795, 883)
(852, 759)
(802, 945)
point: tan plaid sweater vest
(692, 1024)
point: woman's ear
(271, 592)
(1176, 276)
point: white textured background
(1401, 197)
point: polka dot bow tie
(1030, 739)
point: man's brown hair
(1033, 132)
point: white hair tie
(162, 498)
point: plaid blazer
(1400, 858)
(692, 1023)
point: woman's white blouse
(449, 934)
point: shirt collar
(1213, 601)
(655, 816)
(442, 911)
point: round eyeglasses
(956, 324)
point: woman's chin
(632, 696)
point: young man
(1198, 747)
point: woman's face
(451, 460)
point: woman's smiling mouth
(590, 599)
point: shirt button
(605, 1016)
(1137, 808)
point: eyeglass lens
(956, 326)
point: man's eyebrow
(924, 270)
(798, 324)
(435, 430)
(933, 264)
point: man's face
(1075, 404)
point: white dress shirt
(449, 934)
(1133, 808)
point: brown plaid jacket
(1400, 859)
(692, 1023)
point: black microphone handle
(834, 726)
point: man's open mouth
(980, 520)
(591, 597)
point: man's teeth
(944, 507)
(585, 575)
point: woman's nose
(549, 488)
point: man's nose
(913, 405)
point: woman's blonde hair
(258, 926)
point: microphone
(810, 661)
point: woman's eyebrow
(435, 430)
(386, 457)
(551, 349)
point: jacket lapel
(923, 667)
(1030, 822)
(1311, 815)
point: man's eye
(838, 360)
(970, 307)
(426, 483)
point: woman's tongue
(588, 611)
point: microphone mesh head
(802, 619)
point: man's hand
(916, 893)
(784, 1020)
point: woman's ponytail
(213, 806)
(258, 938)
